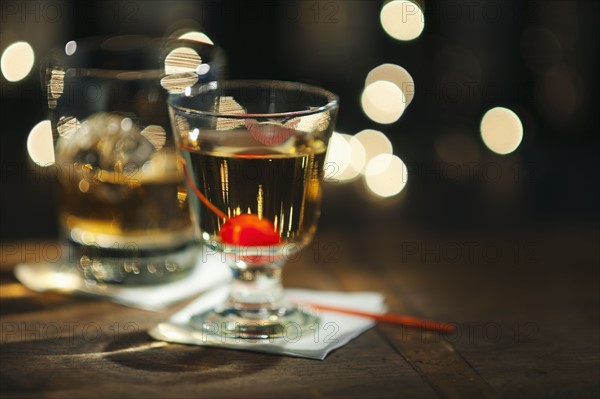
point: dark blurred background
(537, 58)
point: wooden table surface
(525, 304)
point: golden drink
(280, 184)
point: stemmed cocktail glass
(253, 155)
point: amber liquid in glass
(280, 183)
(141, 208)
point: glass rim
(150, 45)
(332, 98)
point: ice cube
(108, 141)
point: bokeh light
(179, 82)
(395, 74)
(358, 157)
(67, 125)
(181, 60)
(386, 175)
(70, 47)
(197, 37)
(383, 102)
(338, 157)
(156, 135)
(402, 19)
(126, 124)
(39, 144)
(374, 143)
(56, 86)
(501, 130)
(346, 158)
(17, 61)
(203, 69)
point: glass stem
(256, 285)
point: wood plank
(85, 348)
(436, 361)
(528, 321)
(138, 366)
(546, 313)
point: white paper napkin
(331, 331)
(208, 273)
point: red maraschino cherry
(245, 229)
(248, 230)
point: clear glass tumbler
(121, 198)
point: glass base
(133, 267)
(256, 323)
